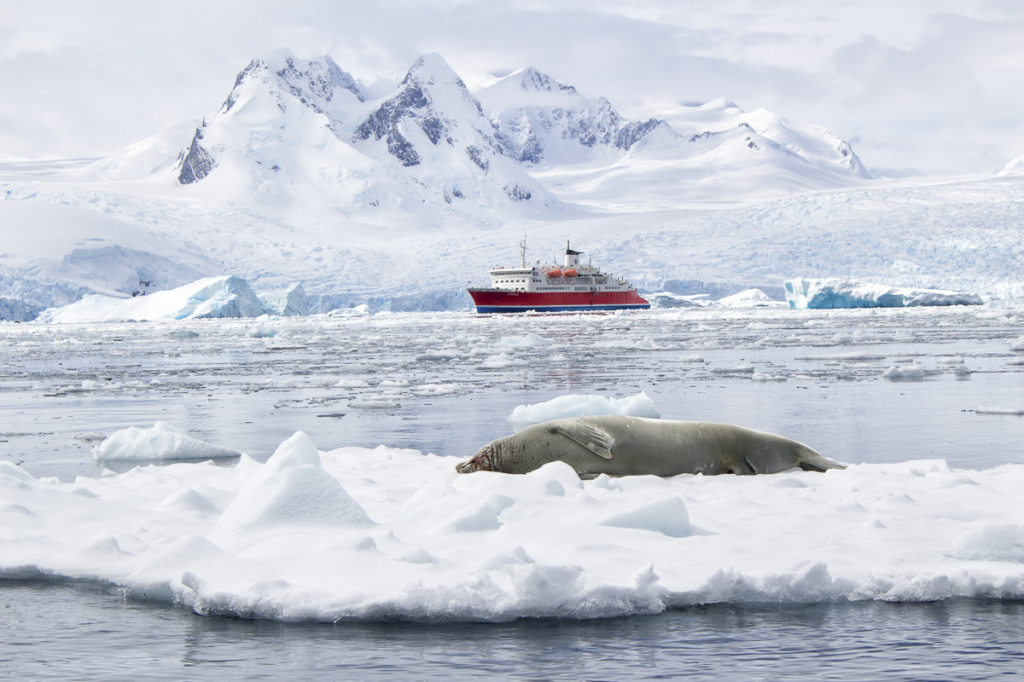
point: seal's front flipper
(596, 440)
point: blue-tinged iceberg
(17, 310)
(210, 297)
(290, 302)
(840, 293)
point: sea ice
(565, 406)
(526, 341)
(163, 441)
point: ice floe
(163, 441)
(565, 406)
(378, 533)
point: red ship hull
(502, 301)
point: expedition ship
(550, 288)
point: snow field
(382, 533)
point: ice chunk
(502, 361)
(290, 302)
(665, 299)
(838, 293)
(527, 341)
(737, 369)
(1017, 344)
(261, 331)
(163, 441)
(1000, 410)
(563, 407)
(912, 372)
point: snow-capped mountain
(436, 130)
(538, 120)
(399, 200)
(298, 135)
(586, 152)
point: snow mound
(290, 302)
(837, 293)
(205, 298)
(290, 490)
(565, 406)
(163, 441)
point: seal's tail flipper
(809, 460)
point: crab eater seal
(633, 446)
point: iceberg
(17, 310)
(750, 298)
(290, 302)
(838, 293)
(225, 296)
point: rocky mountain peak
(531, 79)
(316, 83)
(432, 97)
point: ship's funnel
(572, 258)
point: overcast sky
(923, 86)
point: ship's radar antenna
(522, 252)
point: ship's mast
(522, 252)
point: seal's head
(483, 460)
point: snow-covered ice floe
(565, 406)
(163, 441)
(204, 298)
(839, 293)
(361, 533)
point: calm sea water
(83, 632)
(251, 394)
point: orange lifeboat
(554, 273)
(569, 273)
